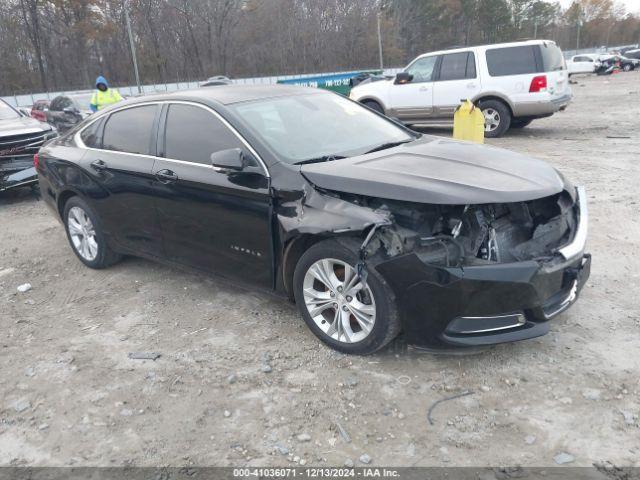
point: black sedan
(370, 228)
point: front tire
(515, 123)
(627, 67)
(347, 314)
(85, 235)
(497, 118)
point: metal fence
(26, 100)
(29, 99)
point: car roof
(229, 94)
(486, 47)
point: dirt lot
(71, 395)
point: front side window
(193, 134)
(130, 130)
(511, 61)
(306, 127)
(422, 69)
(457, 66)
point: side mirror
(231, 159)
(403, 77)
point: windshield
(552, 58)
(82, 101)
(7, 112)
(312, 126)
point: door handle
(423, 89)
(98, 165)
(166, 176)
(471, 85)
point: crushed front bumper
(488, 304)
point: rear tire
(335, 321)
(627, 68)
(84, 232)
(373, 105)
(497, 117)
(515, 123)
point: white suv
(513, 84)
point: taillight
(538, 84)
(36, 161)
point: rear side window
(511, 61)
(552, 59)
(130, 130)
(458, 66)
(193, 134)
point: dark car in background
(66, 111)
(370, 227)
(39, 109)
(20, 138)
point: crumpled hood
(439, 171)
(17, 126)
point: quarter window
(511, 61)
(130, 130)
(90, 135)
(458, 66)
(193, 134)
(422, 69)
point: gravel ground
(72, 396)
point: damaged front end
(463, 275)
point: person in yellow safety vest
(104, 96)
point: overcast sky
(632, 5)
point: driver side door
(213, 219)
(413, 101)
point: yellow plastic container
(468, 123)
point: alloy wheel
(338, 301)
(491, 119)
(82, 233)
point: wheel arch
(63, 198)
(371, 98)
(293, 250)
(494, 96)
(297, 246)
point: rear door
(455, 80)
(211, 219)
(414, 100)
(511, 69)
(120, 159)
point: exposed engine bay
(458, 235)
